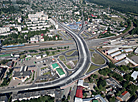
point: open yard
(70, 52)
(117, 19)
(47, 73)
(68, 66)
(72, 57)
(97, 59)
(62, 58)
(91, 50)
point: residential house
(113, 82)
(124, 96)
(34, 39)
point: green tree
(95, 76)
(112, 99)
(53, 52)
(47, 52)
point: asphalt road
(84, 60)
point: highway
(81, 67)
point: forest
(122, 6)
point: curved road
(84, 60)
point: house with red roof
(42, 37)
(124, 96)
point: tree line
(119, 5)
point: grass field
(91, 50)
(70, 52)
(67, 65)
(72, 57)
(62, 58)
(43, 68)
(97, 59)
(47, 73)
(117, 19)
(92, 67)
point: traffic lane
(78, 74)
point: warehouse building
(23, 74)
(128, 50)
(119, 57)
(115, 54)
(112, 50)
(122, 62)
(132, 62)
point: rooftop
(22, 74)
(134, 75)
(79, 93)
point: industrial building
(112, 50)
(128, 50)
(132, 62)
(115, 54)
(122, 62)
(119, 57)
(23, 74)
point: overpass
(83, 63)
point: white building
(34, 39)
(38, 56)
(19, 20)
(54, 23)
(80, 83)
(132, 62)
(112, 50)
(78, 99)
(128, 50)
(136, 51)
(77, 13)
(38, 16)
(19, 28)
(134, 75)
(122, 62)
(119, 57)
(115, 54)
(44, 55)
(4, 29)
